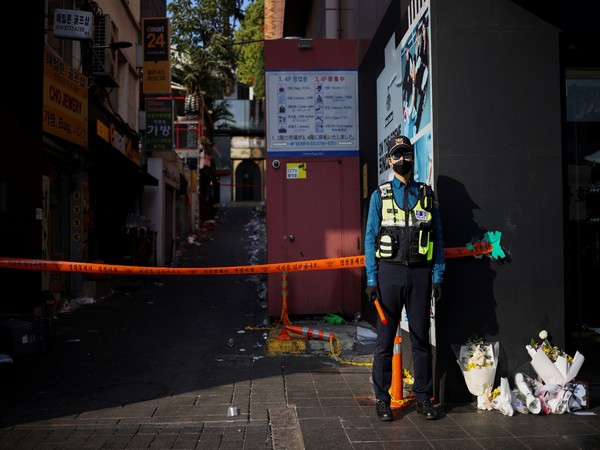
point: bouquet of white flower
(478, 361)
(555, 370)
(552, 364)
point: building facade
(502, 116)
(74, 190)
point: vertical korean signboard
(157, 55)
(65, 101)
(159, 124)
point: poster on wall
(404, 105)
(404, 95)
(312, 113)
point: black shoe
(383, 410)
(426, 409)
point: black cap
(400, 142)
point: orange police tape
(345, 262)
(115, 269)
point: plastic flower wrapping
(499, 399)
(478, 361)
(547, 389)
(556, 370)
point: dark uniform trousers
(411, 287)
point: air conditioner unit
(104, 60)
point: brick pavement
(157, 364)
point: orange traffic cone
(311, 333)
(283, 335)
(396, 389)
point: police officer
(404, 259)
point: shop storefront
(118, 231)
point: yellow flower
(552, 352)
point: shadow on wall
(468, 306)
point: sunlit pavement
(189, 362)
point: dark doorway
(247, 181)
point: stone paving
(159, 364)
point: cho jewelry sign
(65, 101)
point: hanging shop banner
(118, 140)
(73, 24)
(65, 100)
(157, 55)
(404, 95)
(312, 113)
(159, 124)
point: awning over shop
(117, 166)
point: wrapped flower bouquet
(545, 386)
(478, 361)
(553, 391)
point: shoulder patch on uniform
(386, 190)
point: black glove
(437, 291)
(373, 293)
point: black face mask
(402, 167)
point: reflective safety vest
(405, 237)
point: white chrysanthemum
(543, 334)
(478, 357)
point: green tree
(249, 36)
(202, 56)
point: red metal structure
(317, 215)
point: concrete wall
(496, 90)
(497, 142)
